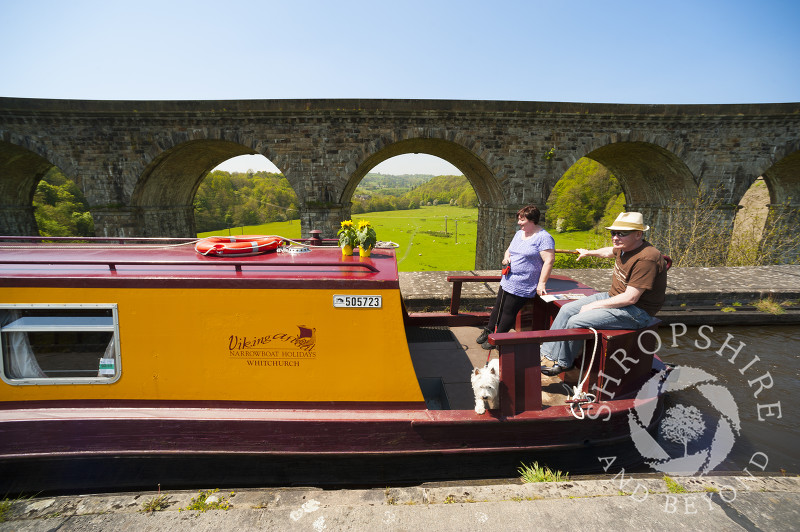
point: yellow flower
(362, 224)
(347, 234)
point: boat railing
(622, 360)
(520, 366)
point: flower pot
(347, 250)
(364, 252)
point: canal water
(759, 366)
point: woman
(530, 257)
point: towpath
(643, 503)
(693, 294)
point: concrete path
(692, 293)
(623, 503)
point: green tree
(233, 199)
(579, 199)
(467, 198)
(60, 208)
(614, 206)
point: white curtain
(22, 362)
(109, 357)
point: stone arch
(491, 200)
(23, 164)
(783, 177)
(21, 169)
(13, 147)
(779, 165)
(650, 175)
(770, 223)
(654, 179)
(471, 165)
(780, 242)
(163, 195)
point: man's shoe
(552, 371)
(487, 346)
(483, 337)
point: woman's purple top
(526, 263)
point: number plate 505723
(345, 301)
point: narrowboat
(293, 363)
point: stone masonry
(139, 163)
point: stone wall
(139, 163)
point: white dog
(485, 385)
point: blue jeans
(564, 353)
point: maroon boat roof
(173, 265)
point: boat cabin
(159, 323)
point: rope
(578, 396)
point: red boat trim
(210, 404)
(49, 432)
(199, 283)
(236, 264)
(132, 266)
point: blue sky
(643, 51)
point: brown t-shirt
(644, 268)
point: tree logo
(684, 424)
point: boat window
(59, 344)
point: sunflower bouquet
(348, 238)
(366, 238)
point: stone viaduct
(139, 163)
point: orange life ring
(237, 246)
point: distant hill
(388, 193)
(374, 182)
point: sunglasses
(620, 233)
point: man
(638, 286)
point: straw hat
(629, 221)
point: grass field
(437, 238)
(290, 229)
(580, 239)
